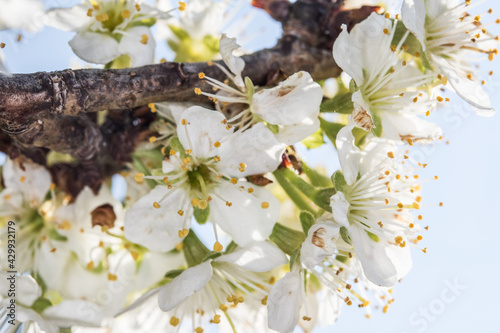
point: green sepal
(194, 250)
(231, 247)
(41, 304)
(176, 145)
(179, 32)
(294, 258)
(345, 235)
(342, 258)
(316, 178)
(53, 234)
(123, 61)
(212, 255)
(145, 22)
(307, 220)
(314, 140)
(288, 240)
(340, 104)
(172, 274)
(339, 182)
(140, 167)
(212, 43)
(250, 88)
(413, 44)
(377, 122)
(201, 215)
(322, 198)
(353, 87)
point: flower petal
(377, 265)
(347, 56)
(245, 220)
(256, 257)
(186, 284)
(284, 303)
(69, 19)
(291, 134)
(348, 153)
(293, 100)
(155, 228)
(235, 64)
(74, 312)
(413, 16)
(257, 148)
(398, 126)
(340, 208)
(95, 47)
(132, 44)
(470, 91)
(204, 128)
(319, 244)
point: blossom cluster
(223, 224)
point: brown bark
(51, 110)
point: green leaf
(41, 304)
(316, 178)
(307, 220)
(345, 235)
(201, 215)
(339, 104)
(314, 140)
(298, 199)
(331, 130)
(194, 250)
(288, 240)
(339, 181)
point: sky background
(453, 287)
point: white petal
(246, 221)
(293, 100)
(69, 19)
(27, 289)
(34, 181)
(413, 16)
(346, 56)
(186, 284)
(235, 64)
(256, 257)
(348, 153)
(291, 134)
(95, 47)
(470, 91)
(25, 315)
(401, 259)
(340, 208)
(284, 303)
(377, 266)
(203, 130)
(130, 44)
(319, 244)
(361, 114)
(74, 312)
(155, 228)
(398, 126)
(257, 148)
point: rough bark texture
(54, 110)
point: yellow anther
(218, 247)
(201, 75)
(420, 217)
(390, 154)
(416, 205)
(440, 99)
(195, 202)
(90, 11)
(229, 204)
(428, 113)
(184, 121)
(126, 13)
(387, 15)
(102, 17)
(172, 152)
(477, 18)
(217, 144)
(386, 31)
(387, 172)
(264, 301)
(182, 6)
(179, 246)
(264, 205)
(419, 237)
(90, 265)
(250, 190)
(411, 225)
(197, 91)
(22, 179)
(386, 201)
(156, 205)
(138, 7)
(183, 233)
(152, 139)
(223, 307)
(144, 39)
(174, 321)
(52, 186)
(234, 181)
(398, 239)
(216, 319)
(400, 205)
(180, 212)
(112, 277)
(415, 100)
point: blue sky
(452, 287)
